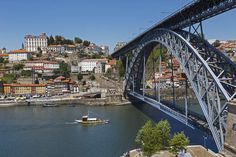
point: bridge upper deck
(190, 14)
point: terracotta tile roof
(42, 61)
(4, 55)
(25, 85)
(112, 62)
(18, 51)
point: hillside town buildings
(41, 66)
(61, 85)
(32, 43)
(19, 55)
(3, 50)
(119, 45)
(24, 89)
(89, 65)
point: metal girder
(194, 12)
(211, 93)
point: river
(51, 132)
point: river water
(51, 132)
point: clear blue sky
(100, 21)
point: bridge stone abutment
(230, 139)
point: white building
(18, 55)
(41, 66)
(119, 45)
(56, 48)
(75, 69)
(88, 65)
(32, 43)
(62, 48)
(100, 68)
(105, 49)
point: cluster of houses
(57, 86)
(97, 66)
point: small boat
(50, 105)
(87, 120)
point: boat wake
(71, 123)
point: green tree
(178, 142)
(18, 67)
(58, 39)
(147, 139)
(86, 43)
(216, 43)
(6, 61)
(109, 57)
(108, 72)
(30, 58)
(92, 78)
(51, 40)
(9, 78)
(163, 133)
(121, 68)
(63, 70)
(77, 40)
(26, 73)
(39, 54)
(2, 60)
(79, 76)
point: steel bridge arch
(210, 92)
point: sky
(104, 22)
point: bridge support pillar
(230, 138)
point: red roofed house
(19, 55)
(61, 85)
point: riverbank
(65, 101)
(192, 151)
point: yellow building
(7, 89)
(24, 89)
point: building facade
(89, 65)
(32, 43)
(61, 85)
(105, 49)
(24, 89)
(119, 45)
(41, 66)
(18, 55)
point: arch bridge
(210, 73)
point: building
(24, 89)
(3, 50)
(4, 71)
(41, 66)
(56, 48)
(93, 49)
(110, 64)
(88, 65)
(105, 49)
(119, 45)
(61, 85)
(70, 48)
(100, 68)
(74, 69)
(4, 55)
(32, 43)
(62, 48)
(19, 55)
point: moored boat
(50, 105)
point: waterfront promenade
(192, 151)
(67, 99)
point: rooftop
(25, 85)
(18, 51)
